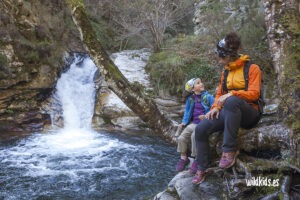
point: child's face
(198, 86)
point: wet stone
(181, 184)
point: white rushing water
(76, 92)
(132, 65)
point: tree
(148, 20)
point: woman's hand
(223, 98)
(201, 117)
(212, 113)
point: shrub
(181, 59)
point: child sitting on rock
(198, 103)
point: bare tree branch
(152, 18)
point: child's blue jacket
(206, 100)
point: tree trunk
(131, 94)
(283, 26)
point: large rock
(111, 112)
(181, 187)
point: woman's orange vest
(236, 82)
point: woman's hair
(229, 46)
(232, 42)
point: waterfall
(75, 90)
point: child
(198, 103)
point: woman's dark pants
(236, 113)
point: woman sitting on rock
(234, 106)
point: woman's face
(223, 61)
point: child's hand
(201, 117)
(181, 125)
(179, 129)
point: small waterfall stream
(76, 92)
(77, 162)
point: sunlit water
(78, 163)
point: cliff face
(283, 28)
(226, 14)
(35, 36)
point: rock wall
(215, 16)
(283, 27)
(35, 36)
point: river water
(76, 162)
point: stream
(77, 162)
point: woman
(234, 106)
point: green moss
(74, 3)
(9, 111)
(26, 51)
(3, 60)
(280, 195)
(114, 71)
(266, 190)
(31, 57)
(290, 21)
(107, 119)
(294, 123)
(291, 85)
(260, 165)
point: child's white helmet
(189, 85)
